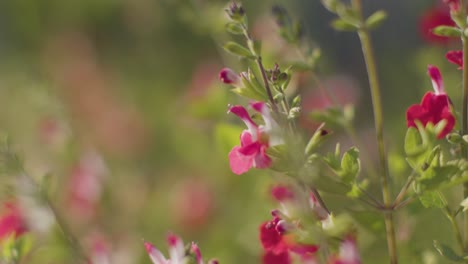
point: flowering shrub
(342, 191)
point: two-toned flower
(434, 107)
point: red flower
(254, 141)
(269, 257)
(455, 57)
(278, 245)
(434, 107)
(11, 221)
(432, 18)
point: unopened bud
(294, 113)
(235, 12)
(454, 138)
(228, 76)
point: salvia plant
(310, 167)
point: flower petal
(196, 250)
(155, 255)
(436, 78)
(271, 257)
(238, 162)
(455, 57)
(261, 160)
(176, 249)
(242, 113)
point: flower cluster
(434, 107)
(177, 252)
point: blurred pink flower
(193, 203)
(228, 76)
(455, 57)
(11, 221)
(282, 193)
(453, 4)
(434, 107)
(255, 140)
(349, 253)
(335, 91)
(436, 16)
(85, 185)
(203, 77)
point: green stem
(369, 58)
(464, 118)
(404, 190)
(455, 227)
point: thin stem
(404, 190)
(319, 199)
(369, 58)
(455, 227)
(465, 126)
(261, 68)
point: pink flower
(455, 57)
(432, 18)
(228, 76)
(255, 140)
(176, 252)
(11, 221)
(349, 253)
(282, 193)
(434, 107)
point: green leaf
(447, 31)
(238, 50)
(300, 66)
(234, 28)
(432, 199)
(350, 165)
(333, 159)
(342, 25)
(413, 142)
(435, 176)
(447, 252)
(376, 19)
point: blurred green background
(127, 91)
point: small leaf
(342, 25)
(447, 31)
(431, 199)
(413, 142)
(447, 252)
(234, 28)
(376, 19)
(350, 165)
(237, 49)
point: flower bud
(228, 76)
(236, 12)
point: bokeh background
(117, 105)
